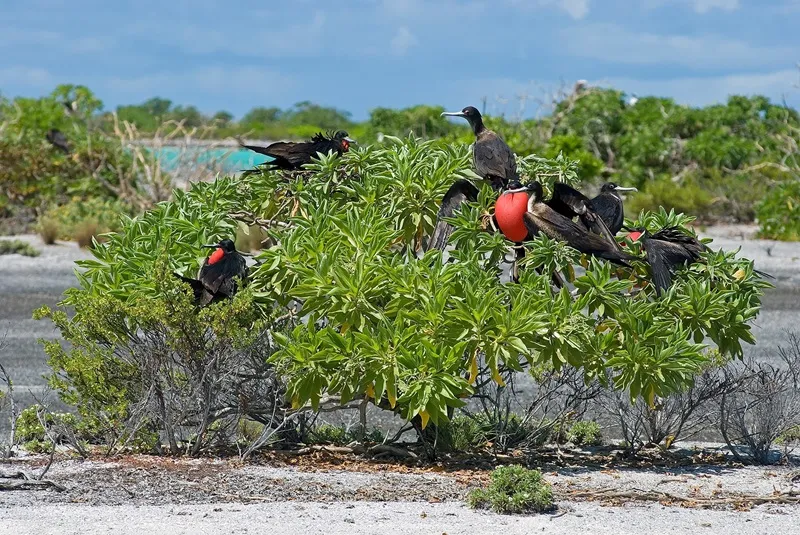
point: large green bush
(385, 322)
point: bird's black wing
(218, 278)
(663, 256)
(569, 202)
(493, 158)
(198, 289)
(459, 193)
(609, 208)
(58, 140)
(544, 219)
(691, 246)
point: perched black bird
(571, 203)
(492, 157)
(292, 155)
(541, 217)
(460, 192)
(608, 205)
(58, 140)
(216, 280)
(668, 248)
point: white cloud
(699, 6)
(238, 81)
(704, 6)
(13, 38)
(402, 41)
(302, 39)
(25, 77)
(577, 9)
(613, 43)
(434, 11)
(700, 91)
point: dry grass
(84, 232)
(49, 230)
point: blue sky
(359, 54)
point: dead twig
(791, 497)
(21, 481)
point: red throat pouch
(216, 256)
(508, 211)
(345, 146)
(634, 235)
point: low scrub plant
(779, 212)
(514, 490)
(585, 433)
(18, 247)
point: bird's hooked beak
(452, 114)
(620, 188)
(212, 246)
(351, 140)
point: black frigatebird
(492, 157)
(667, 249)
(569, 202)
(608, 205)
(540, 217)
(290, 155)
(58, 140)
(217, 277)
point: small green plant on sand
(514, 489)
(17, 247)
(585, 433)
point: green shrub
(18, 247)
(400, 328)
(140, 367)
(80, 219)
(514, 490)
(791, 436)
(330, 434)
(688, 198)
(585, 433)
(31, 432)
(779, 212)
(461, 434)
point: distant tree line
(718, 162)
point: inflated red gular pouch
(634, 235)
(216, 256)
(508, 210)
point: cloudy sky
(359, 54)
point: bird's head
(533, 189)
(610, 187)
(471, 114)
(222, 248)
(344, 139)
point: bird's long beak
(350, 140)
(211, 246)
(619, 188)
(453, 114)
(519, 190)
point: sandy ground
(145, 495)
(401, 518)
